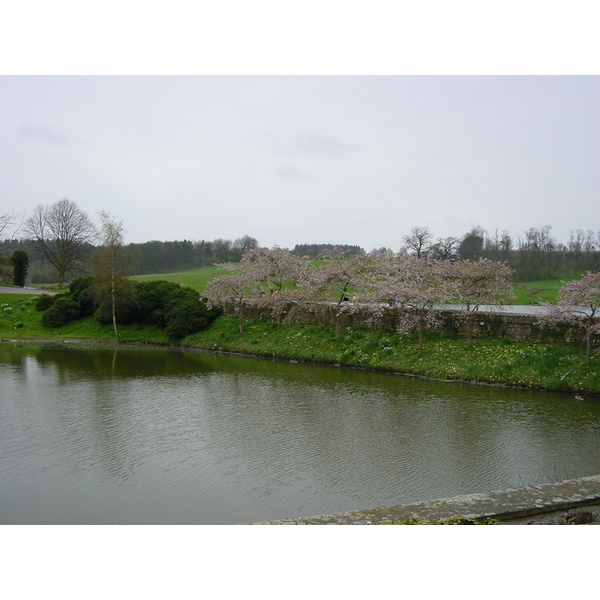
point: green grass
(19, 320)
(524, 364)
(534, 292)
(195, 279)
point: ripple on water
(233, 440)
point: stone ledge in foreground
(550, 503)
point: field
(533, 292)
(530, 292)
(196, 279)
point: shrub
(44, 302)
(20, 262)
(81, 292)
(126, 309)
(186, 314)
(79, 285)
(153, 298)
(63, 311)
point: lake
(93, 435)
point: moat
(154, 436)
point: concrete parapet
(550, 503)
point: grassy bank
(560, 368)
(19, 320)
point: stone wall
(497, 325)
(570, 502)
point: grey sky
(306, 159)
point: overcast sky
(306, 159)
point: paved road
(26, 290)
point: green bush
(20, 262)
(63, 311)
(186, 314)
(126, 309)
(153, 298)
(161, 303)
(44, 302)
(81, 291)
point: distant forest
(535, 255)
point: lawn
(534, 292)
(195, 279)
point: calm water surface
(94, 436)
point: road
(27, 290)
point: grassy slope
(533, 292)
(490, 361)
(19, 320)
(196, 279)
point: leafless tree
(62, 231)
(8, 220)
(445, 248)
(418, 241)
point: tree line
(535, 255)
(418, 279)
(59, 239)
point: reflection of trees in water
(320, 432)
(99, 363)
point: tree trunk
(588, 348)
(113, 297)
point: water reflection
(160, 436)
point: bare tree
(6, 221)
(62, 231)
(244, 243)
(10, 220)
(418, 241)
(383, 251)
(445, 248)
